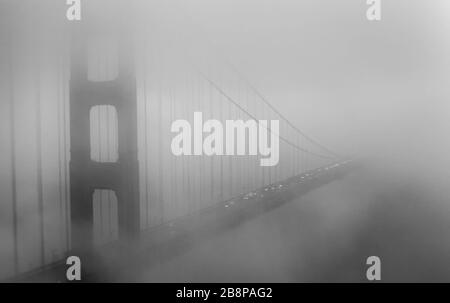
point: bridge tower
(87, 175)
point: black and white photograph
(238, 143)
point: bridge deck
(159, 245)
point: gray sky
(355, 85)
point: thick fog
(337, 75)
(373, 91)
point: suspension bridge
(87, 167)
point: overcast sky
(355, 85)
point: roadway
(327, 234)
